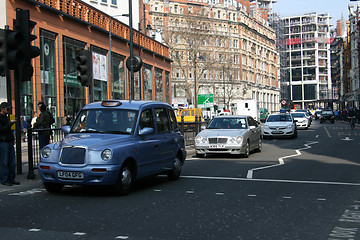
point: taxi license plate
(70, 175)
(217, 146)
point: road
(304, 188)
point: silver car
(280, 125)
(229, 134)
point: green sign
(205, 100)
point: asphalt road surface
(304, 188)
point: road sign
(205, 100)
(283, 102)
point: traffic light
(84, 66)
(3, 53)
(10, 52)
(24, 25)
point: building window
(114, 2)
(158, 84)
(118, 76)
(48, 70)
(74, 92)
(147, 82)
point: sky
(335, 8)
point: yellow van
(189, 114)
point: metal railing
(34, 149)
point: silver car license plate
(70, 175)
(217, 146)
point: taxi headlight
(106, 154)
(45, 152)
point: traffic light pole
(17, 77)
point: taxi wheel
(53, 187)
(247, 150)
(125, 180)
(174, 173)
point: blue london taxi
(114, 143)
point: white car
(302, 122)
(280, 125)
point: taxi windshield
(113, 121)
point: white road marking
(122, 237)
(34, 230)
(28, 192)
(79, 233)
(321, 199)
(281, 160)
(287, 197)
(157, 190)
(190, 192)
(272, 180)
(219, 193)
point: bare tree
(188, 39)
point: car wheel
(259, 149)
(125, 180)
(247, 150)
(174, 174)
(200, 155)
(295, 134)
(53, 187)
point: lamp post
(195, 91)
(123, 15)
(148, 27)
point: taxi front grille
(73, 155)
(217, 140)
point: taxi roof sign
(110, 103)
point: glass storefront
(74, 92)
(99, 73)
(118, 76)
(158, 85)
(147, 82)
(48, 70)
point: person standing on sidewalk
(7, 150)
(44, 121)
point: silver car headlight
(200, 139)
(45, 152)
(266, 127)
(237, 140)
(289, 126)
(106, 154)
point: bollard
(31, 174)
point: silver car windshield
(113, 121)
(228, 123)
(279, 118)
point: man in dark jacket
(43, 122)
(7, 151)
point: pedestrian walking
(44, 121)
(7, 150)
(23, 128)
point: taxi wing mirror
(146, 131)
(66, 129)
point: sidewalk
(22, 178)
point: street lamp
(111, 80)
(195, 91)
(148, 27)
